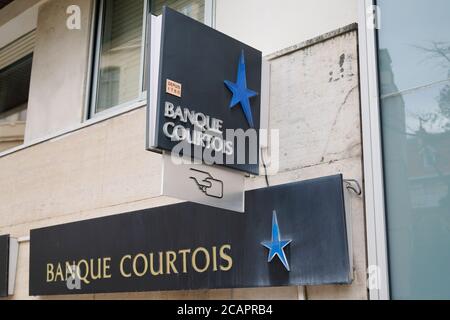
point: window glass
(414, 68)
(192, 8)
(120, 53)
(119, 77)
(14, 90)
(415, 32)
(15, 86)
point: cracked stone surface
(318, 116)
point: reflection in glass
(120, 74)
(192, 8)
(416, 33)
(120, 53)
(416, 142)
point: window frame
(374, 185)
(22, 48)
(96, 34)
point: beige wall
(15, 8)
(60, 69)
(104, 169)
(17, 19)
(11, 134)
(273, 25)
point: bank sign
(290, 235)
(204, 94)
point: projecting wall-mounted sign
(290, 235)
(204, 94)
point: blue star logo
(276, 246)
(241, 94)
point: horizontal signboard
(290, 235)
(204, 93)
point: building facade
(73, 125)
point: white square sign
(209, 185)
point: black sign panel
(299, 227)
(4, 265)
(210, 82)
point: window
(414, 72)
(192, 8)
(14, 87)
(118, 77)
(15, 74)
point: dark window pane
(120, 53)
(192, 8)
(15, 84)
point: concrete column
(60, 68)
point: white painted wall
(270, 25)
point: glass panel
(414, 67)
(416, 34)
(192, 8)
(15, 87)
(416, 132)
(120, 53)
(14, 91)
(119, 74)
